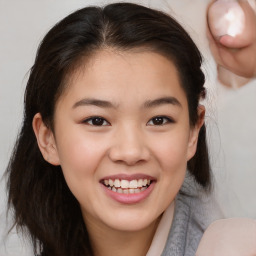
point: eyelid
(87, 120)
(168, 120)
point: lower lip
(129, 198)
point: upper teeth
(126, 183)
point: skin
(235, 236)
(128, 142)
(235, 56)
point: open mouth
(127, 187)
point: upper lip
(128, 177)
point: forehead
(135, 74)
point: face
(122, 138)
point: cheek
(76, 147)
(171, 151)
(79, 157)
(174, 164)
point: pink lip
(129, 198)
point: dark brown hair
(43, 205)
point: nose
(129, 146)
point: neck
(107, 242)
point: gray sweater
(190, 221)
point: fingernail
(226, 17)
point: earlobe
(194, 132)
(45, 140)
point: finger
(248, 35)
(212, 42)
(234, 42)
(228, 60)
(241, 62)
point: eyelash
(103, 122)
(165, 119)
(94, 118)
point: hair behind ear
(199, 165)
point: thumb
(234, 42)
(248, 34)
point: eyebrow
(94, 102)
(107, 104)
(162, 101)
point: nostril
(129, 154)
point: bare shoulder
(235, 236)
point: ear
(194, 132)
(45, 140)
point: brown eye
(96, 121)
(159, 120)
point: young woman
(112, 123)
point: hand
(234, 237)
(234, 53)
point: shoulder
(234, 236)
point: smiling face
(122, 137)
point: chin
(131, 222)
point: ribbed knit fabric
(190, 221)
